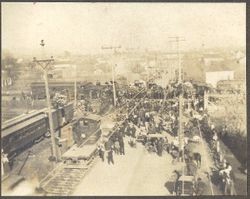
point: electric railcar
(21, 132)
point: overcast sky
(85, 27)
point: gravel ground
(36, 167)
(37, 164)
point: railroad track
(65, 177)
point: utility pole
(75, 102)
(44, 64)
(164, 86)
(180, 133)
(177, 40)
(113, 72)
(113, 83)
(147, 70)
(165, 71)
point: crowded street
(123, 99)
(133, 174)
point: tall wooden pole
(44, 64)
(113, 72)
(75, 93)
(54, 152)
(180, 132)
(113, 82)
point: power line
(113, 75)
(44, 64)
(177, 40)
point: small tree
(10, 65)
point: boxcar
(57, 118)
(68, 112)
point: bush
(233, 138)
(237, 144)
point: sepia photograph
(123, 99)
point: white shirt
(227, 170)
(5, 158)
(215, 137)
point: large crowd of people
(152, 117)
(149, 113)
